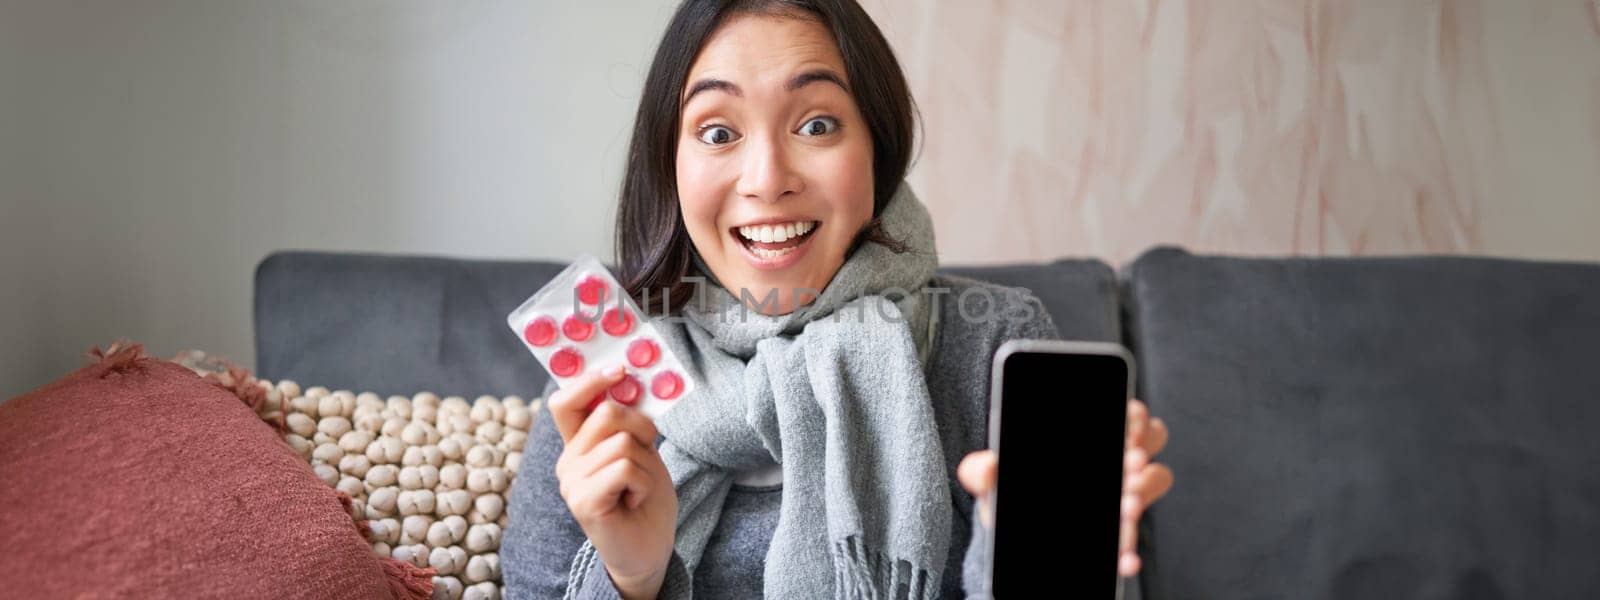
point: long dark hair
(653, 249)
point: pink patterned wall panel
(1103, 127)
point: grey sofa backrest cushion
(1371, 428)
(402, 324)
(1081, 294)
(395, 324)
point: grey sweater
(542, 537)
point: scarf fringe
(864, 573)
(580, 569)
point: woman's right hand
(615, 483)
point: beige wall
(1102, 127)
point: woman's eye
(819, 126)
(717, 135)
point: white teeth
(776, 233)
(771, 254)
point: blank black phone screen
(1059, 495)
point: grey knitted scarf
(836, 394)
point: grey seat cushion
(402, 324)
(1371, 428)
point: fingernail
(1128, 564)
(613, 371)
(1135, 459)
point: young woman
(835, 446)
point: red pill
(617, 321)
(540, 331)
(576, 328)
(643, 353)
(592, 290)
(667, 385)
(627, 391)
(566, 362)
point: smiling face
(774, 165)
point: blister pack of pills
(583, 320)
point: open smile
(770, 246)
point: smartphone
(1058, 417)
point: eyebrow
(795, 83)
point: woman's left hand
(1143, 481)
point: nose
(767, 174)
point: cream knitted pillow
(429, 476)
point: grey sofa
(1418, 427)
